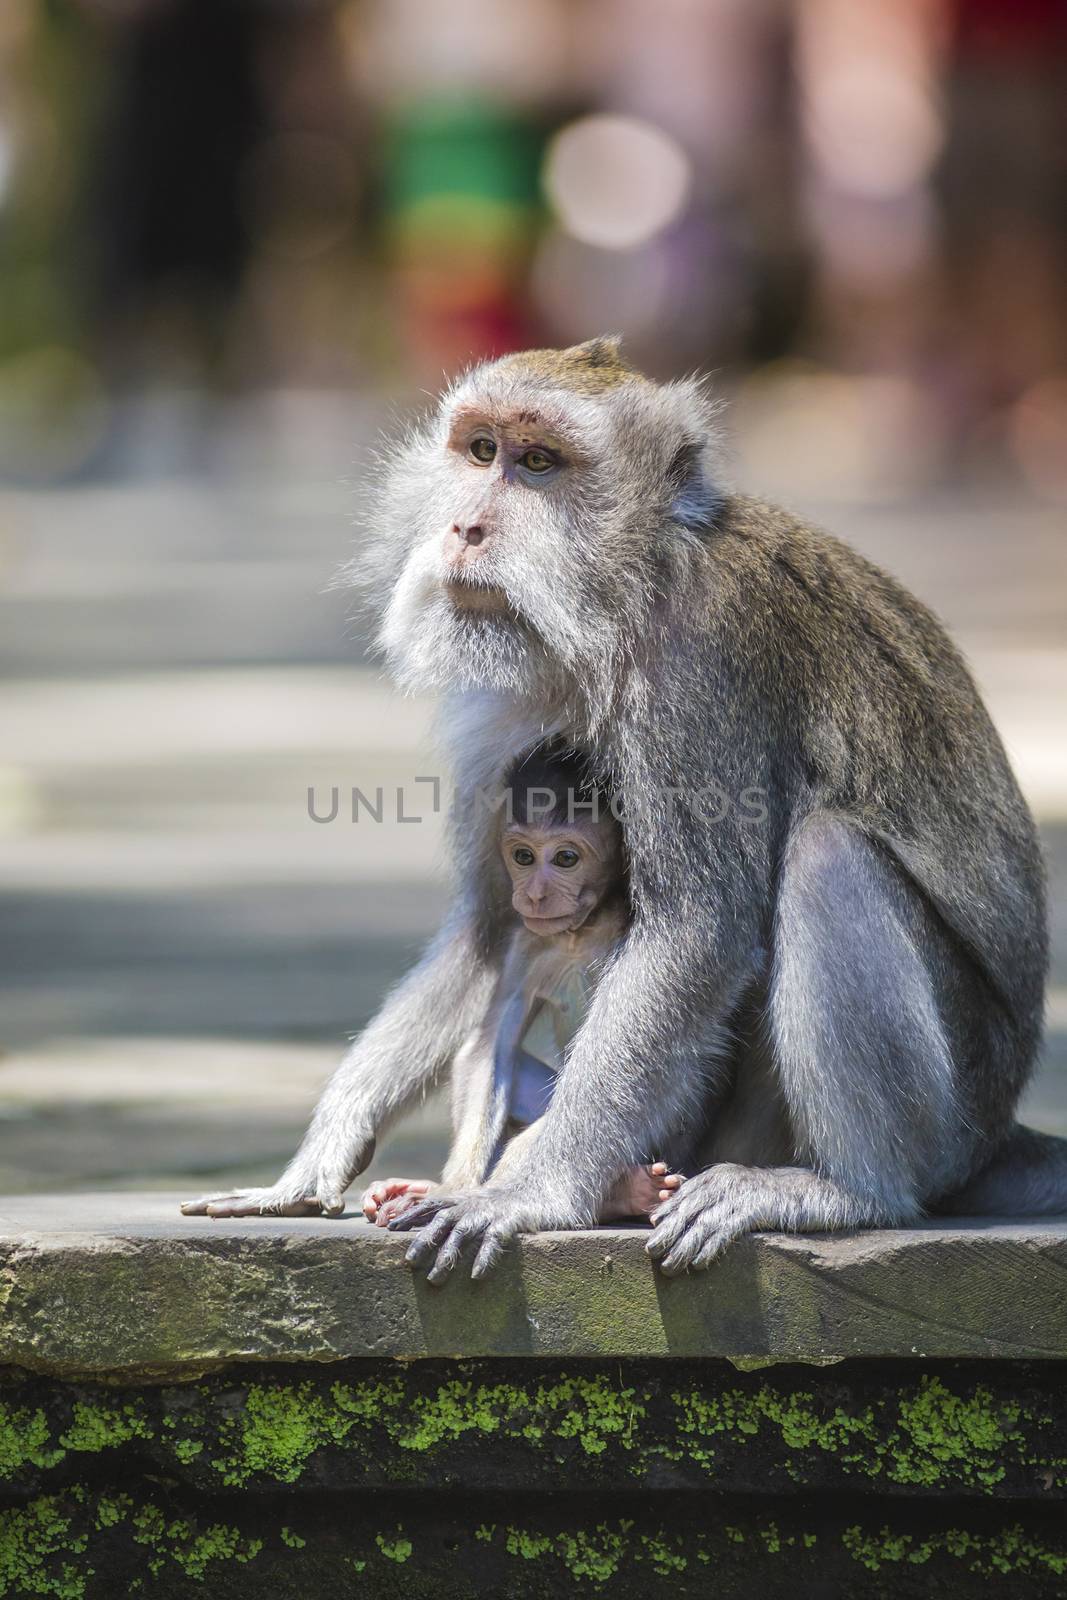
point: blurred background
(238, 238)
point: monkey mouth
(474, 598)
(548, 925)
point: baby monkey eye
(482, 450)
(523, 857)
(565, 858)
(537, 461)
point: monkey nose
(471, 533)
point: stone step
(149, 1288)
(199, 1408)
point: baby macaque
(562, 850)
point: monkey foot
(639, 1191)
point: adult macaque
(562, 850)
(560, 558)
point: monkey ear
(693, 499)
(603, 351)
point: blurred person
(1003, 185)
(171, 233)
(226, 161)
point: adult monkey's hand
(302, 1191)
(481, 1223)
(397, 1056)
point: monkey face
(529, 528)
(486, 599)
(561, 872)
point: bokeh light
(615, 181)
(872, 128)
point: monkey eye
(482, 450)
(565, 858)
(537, 461)
(522, 856)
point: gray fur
(871, 953)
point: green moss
(279, 1428)
(591, 1410)
(111, 1510)
(398, 1549)
(595, 1555)
(35, 1543)
(96, 1427)
(938, 1429)
(517, 1542)
(178, 1541)
(48, 1548)
(926, 1434)
(24, 1441)
(740, 1413)
(1007, 1552)
(930, 1436)
(664, 1560)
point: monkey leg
(1025, 1177)
(866, 1006)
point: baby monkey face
(560, 872)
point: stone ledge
(123, 1285)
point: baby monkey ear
(693, 498)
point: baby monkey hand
(389, 1197)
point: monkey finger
(450, 1252)
(252, 1205)
(430, 1238)
(395, 1208)
(670, 1221)
(688, 1196)
(330, 1191)
(704, 1239)
(711, 1250)
(241, 1203)
(421, 1212)
(372, 1200)
(681, 1256)
(490, 1250)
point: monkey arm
(399, 1054)
(641, 1067)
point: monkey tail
(1027, 1177)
